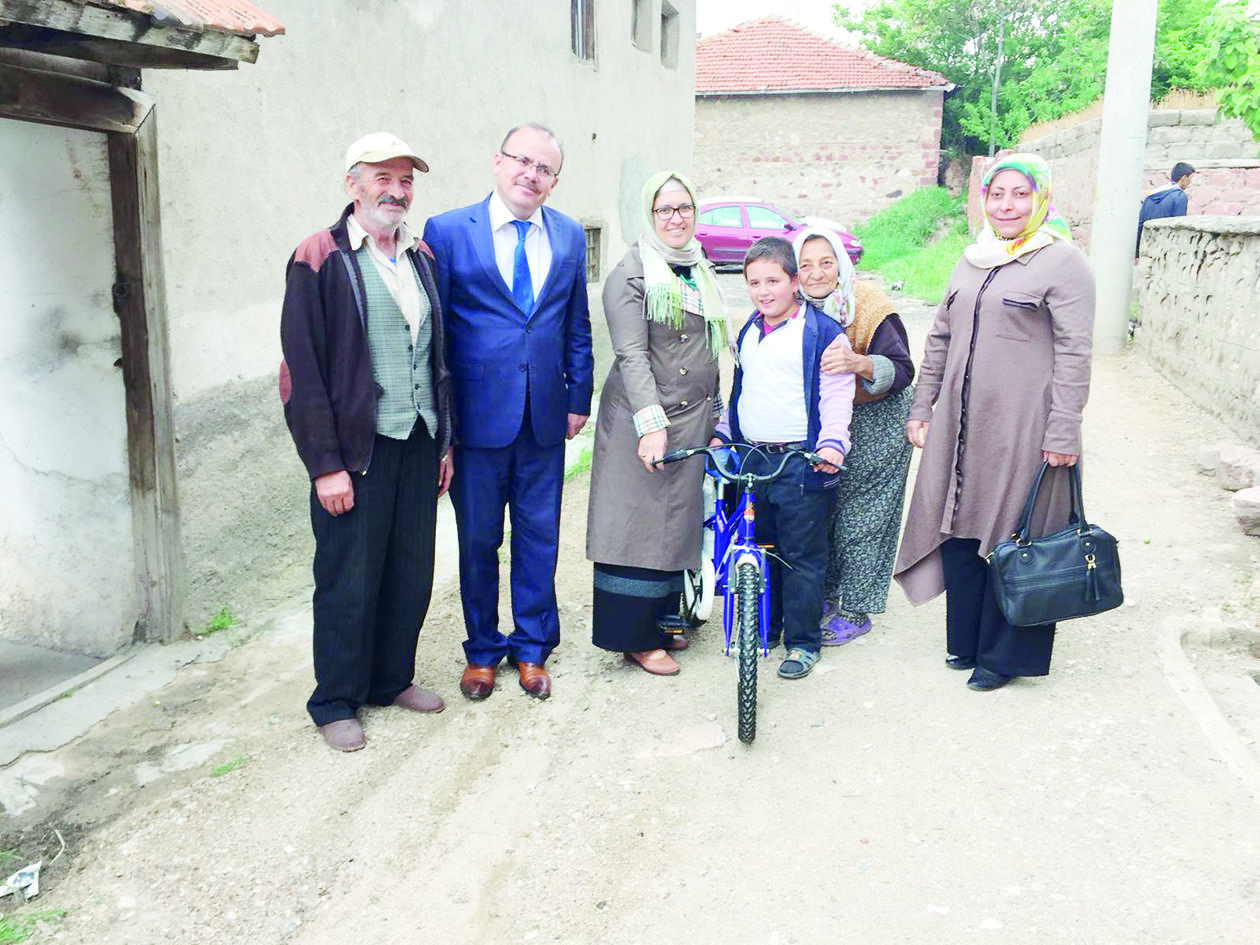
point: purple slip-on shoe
(838, 631)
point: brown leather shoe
(420, 700)
(343, 735)
(534, 679)
(656, 662)
(477, 681)
(675, 642)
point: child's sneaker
(798, 663)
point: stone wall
(840, 156)
(1222, 150)
(1199, 309)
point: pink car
(727, 226)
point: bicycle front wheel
(748, 596)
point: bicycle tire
(748, 596)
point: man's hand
(335, 492)
(576, 421)
(652, 448)
(446, 471)
(1058, 459)
(916, 432)
(839, 358)
(834, 460)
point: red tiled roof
(202, 16)
(772, 54)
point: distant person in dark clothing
(1169, 201)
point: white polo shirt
(772, 398)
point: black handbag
(1072, 573)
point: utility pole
(1122, 148)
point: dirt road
(882, 801)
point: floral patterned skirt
(867, 515)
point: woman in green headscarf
(667, 326)
(1004, 379)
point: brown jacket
(1005, 375)
(637, 518)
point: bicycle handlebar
(676, 456)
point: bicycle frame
(733, 543)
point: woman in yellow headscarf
(1004, 379)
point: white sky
(713, 16)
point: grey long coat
(1005, 375)
(637, 518)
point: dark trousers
(526, 478)
(373, 578)
(974, 625)
(794, 520)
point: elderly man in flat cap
(367, 398)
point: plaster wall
(1199, 292)
(1222, 150)
(840, 156)
(66, 545)
(251, 162)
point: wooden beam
(109, 51)
(125, 26)
(73, 102)
(140, 302)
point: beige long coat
(1005, 375)
(637, 518)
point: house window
(721, 216)
(582, 18)
(641, 23)
(669, 36)
(594, 246)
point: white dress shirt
(399, 276)
(537, 244)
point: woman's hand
(916, 432)
(834, 460)
(652, 448)
(839, 358)
(1059, 459)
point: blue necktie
(522, 284)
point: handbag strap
(1076, 517)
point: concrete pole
(1118, 191)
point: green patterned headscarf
(1044, 225)
(662, 286)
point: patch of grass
(583, 464)
(220, 621)
(909, 225)
(228, 766)
(17, 928)
(925, 274)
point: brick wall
(1222, 150)
(840, 156)
(1199, 307)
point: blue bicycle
(737, 566)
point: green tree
(1232, 62)
(1053, 56)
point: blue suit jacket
(496, 351)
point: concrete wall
(1199, 306)
(66, 546)
(844, 157)
(251, 162)
(1223, 151)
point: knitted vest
(873, 306)
(399, 366)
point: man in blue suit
(512, 278)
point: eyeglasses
(686, 211)
(525, 163)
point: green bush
(909, 225)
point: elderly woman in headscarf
(1004, 379)
(667, 325)
(866, 516)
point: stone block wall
(1199, 307)
(841, 156)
